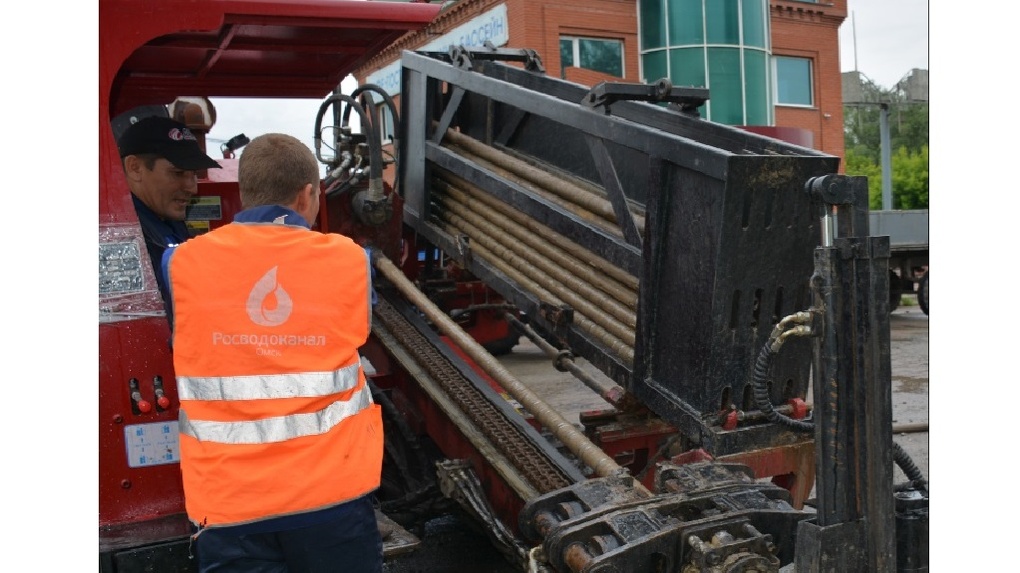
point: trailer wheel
(922, 293)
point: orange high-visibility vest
(276, 416)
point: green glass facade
(719, 44)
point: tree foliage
(909, 177)
(908, 135)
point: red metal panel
(156, 51)
(136, 349)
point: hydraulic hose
(376, 157)
(333, 176)
(386, 98)
(374, 139)
(761, 394)
(363, 91)
(909, 468)
(764, 363)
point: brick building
(770, 66)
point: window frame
(575, 53)
(810, 79)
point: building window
(794, 81)
(723, 45)
(597, 54)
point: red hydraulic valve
(798, 408)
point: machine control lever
(138, 404)
(162, 402)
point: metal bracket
(686, 99)
(559, 316)
(464, 56)
(834, 191)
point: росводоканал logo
(260, 305)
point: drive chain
(529, 461)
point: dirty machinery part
(704, 237)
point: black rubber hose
(376, 165)
(374, 139)
(761, 392)
(386, 98)
(363, 92)
(403, 428)
(910, 469)
(761, 397)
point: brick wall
(806, 30)
(802, 29)
(539, 24)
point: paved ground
(908, 329)
(908, 357)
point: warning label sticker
(152, 444)
(205, 209)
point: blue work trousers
(351, 543)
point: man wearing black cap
(161, 158)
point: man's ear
(133, 166)
(304, 198)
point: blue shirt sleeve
(371, 276)
(164, 268)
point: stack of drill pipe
(604, 308)
(581, 198)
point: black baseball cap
(166, 138)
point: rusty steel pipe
(575, 440)
(574, 207)
(616, 346)
(910, 428)
(569, 190)
(563, 280)
(616, 335)
(551, 248)
(581, 253)
(611, 393)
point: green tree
(908, 135)
(909, 177)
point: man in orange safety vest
(281, 443)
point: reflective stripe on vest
(268, 386)
(277, 429)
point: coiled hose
(764, 363)
(780, 334)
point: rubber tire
(922, 293)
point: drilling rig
(724, 283)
